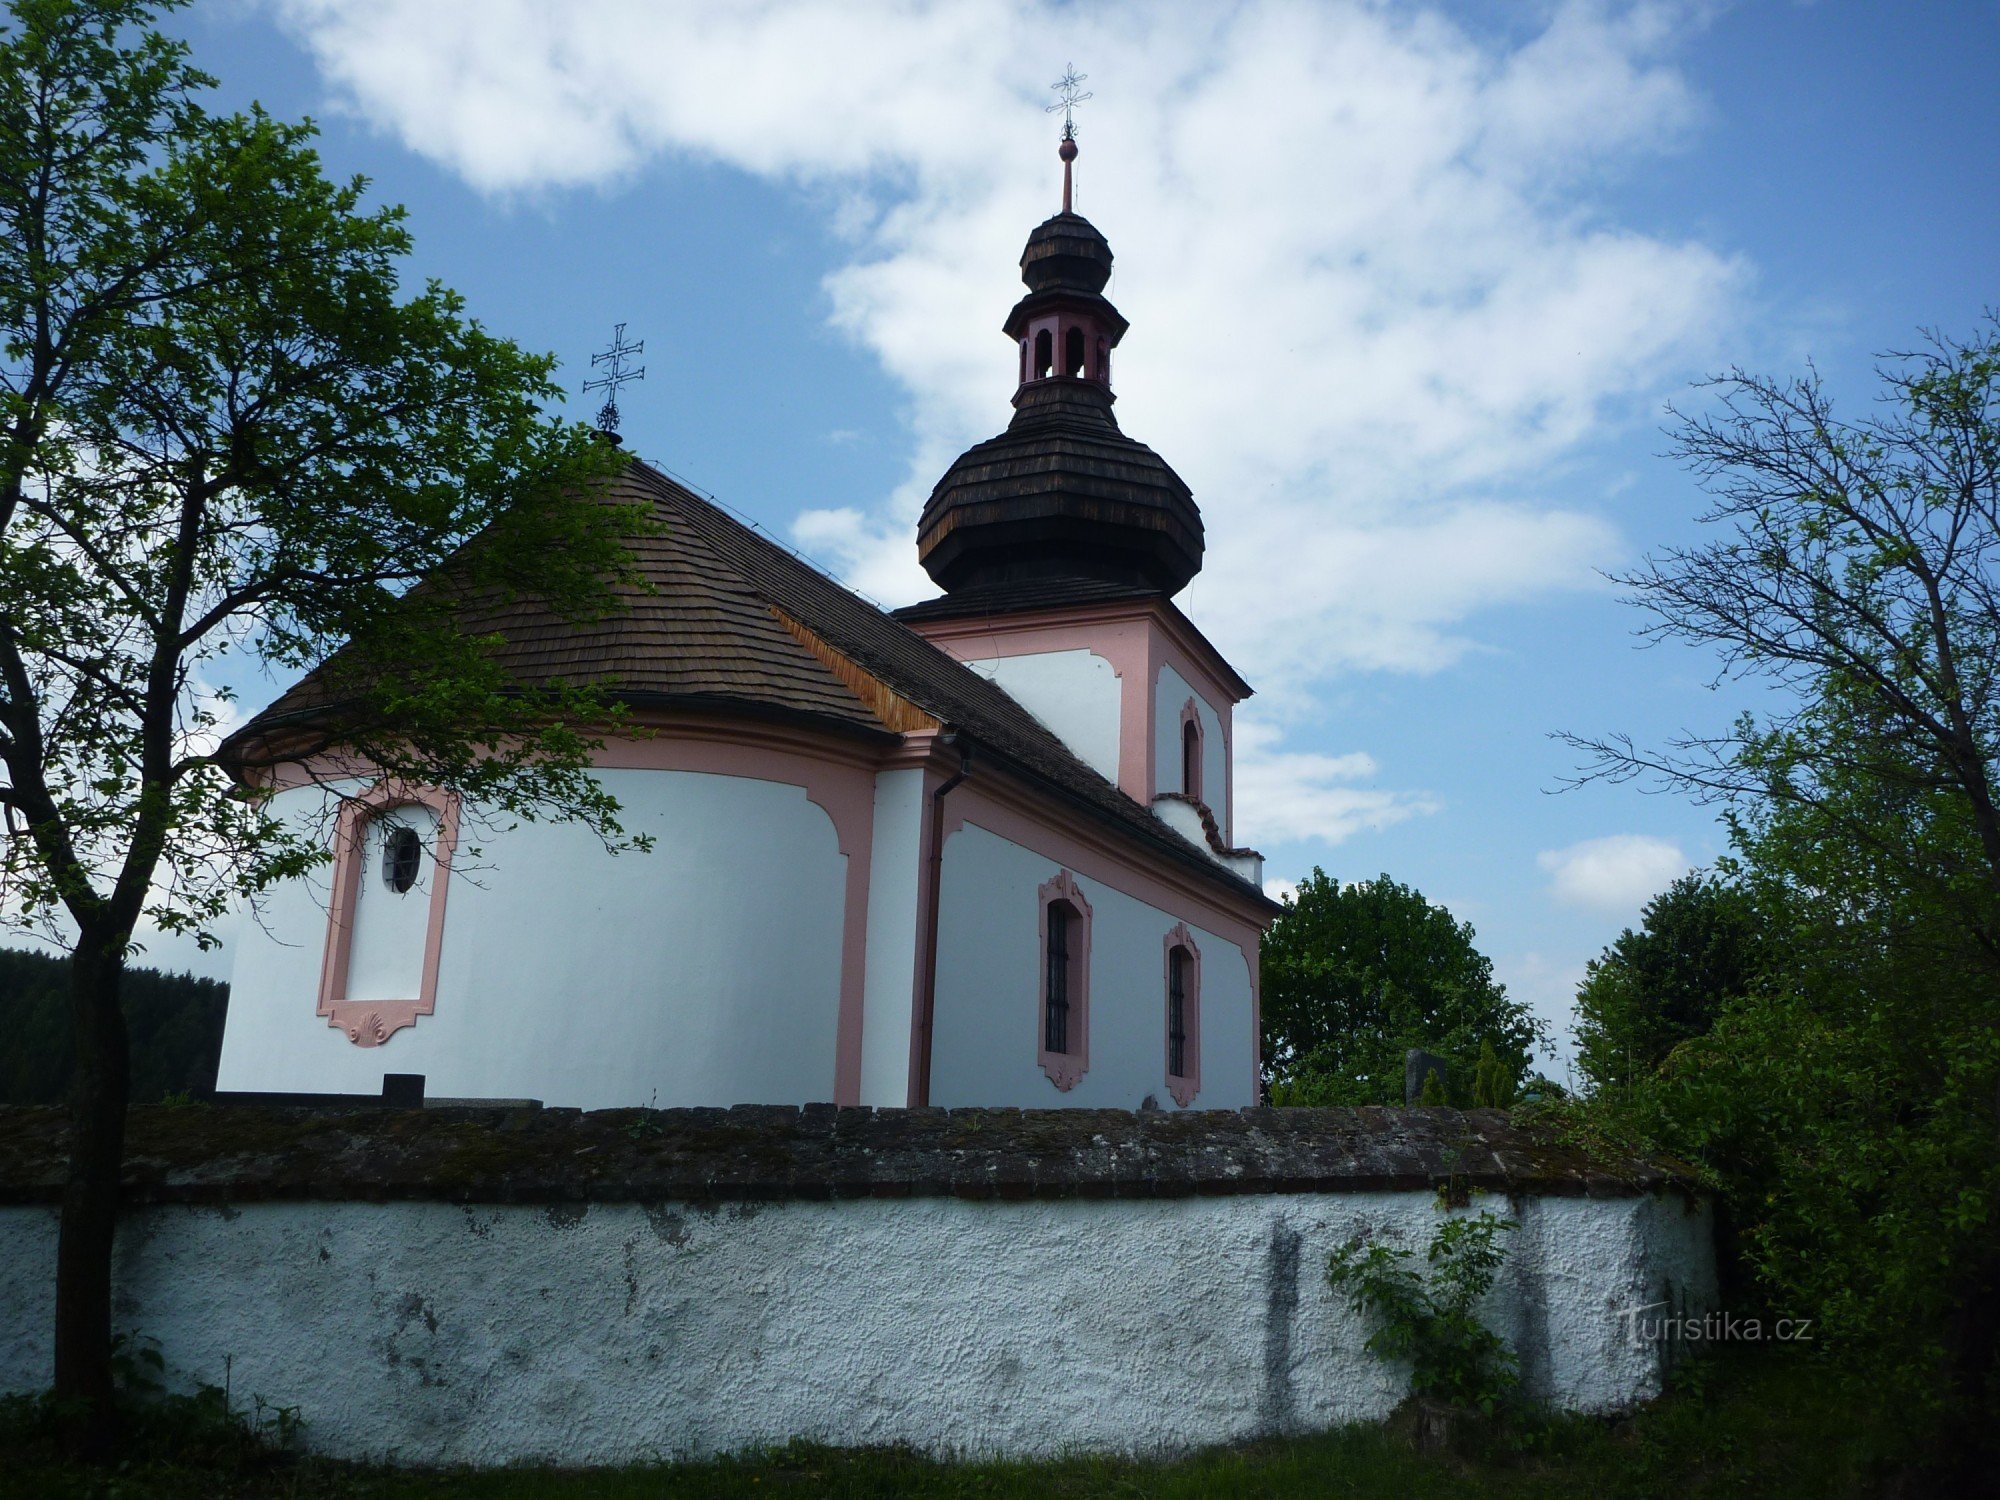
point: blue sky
(1408, 288)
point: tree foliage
(1858, 570)
(1848, 1102)
(230, 442)
(1355, 975)
(175, 1022)
(1652, 989)
(225, 431)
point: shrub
(1430, 1319)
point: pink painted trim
(1017, 815)
(369, 1023)
(1138, 640)
(1207, 662)
(843, 789)
(1183, 1086)
(1122, 643)
(1065, 1069)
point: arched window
(1045, 354)
(402, 857)
(1064, 1021)
(1073, 352)
(1055, 989)
(1191, 751)
(1024, 361)
(1103, 370)
(385, 924)
(1183, 1016)
(1177, 990)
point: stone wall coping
(228, 1154)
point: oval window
(402, 857)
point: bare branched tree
(1859, 574)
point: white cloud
(1282, 890)
(1373, 295)
(1615, 875)
(1283, 795)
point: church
(977, 851)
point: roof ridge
(914, 668)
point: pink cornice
(1014, 634)
(369, 1023)
(1016, 814)
(1065, 1069)
(1125, 643)
(1183, 1086)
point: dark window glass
(1045, 353)
(402, 857)
(1191, 760)
(1073, 352)
(1055, 1019)
(1177, 969)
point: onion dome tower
(1062, 495)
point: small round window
(402, 857)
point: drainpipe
(934, 883)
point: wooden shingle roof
(730, 619)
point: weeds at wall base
(1764, 1422)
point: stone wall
(493, 1286)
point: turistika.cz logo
(1655, 1323)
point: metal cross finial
(615, 375)
(1069, 95)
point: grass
(1748, 1425)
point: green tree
(1651, 990)
(226, 430)
(175, 1021)
(1355, 975)
(1850, 1103)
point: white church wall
(1074, 693)
(579, 1333)
(895, 877)
(988, 1009)
(572, 977)
(1170, 697)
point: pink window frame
(1190, 714)
(1064, 1069)
(369, 1023)
(1185, 1086)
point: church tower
(1062, 497)
(1060, 544)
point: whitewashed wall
(1169, 698)
(428, 1333)
(579, 979)
(1074, 693)
(895, 876)
(988, 1012)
